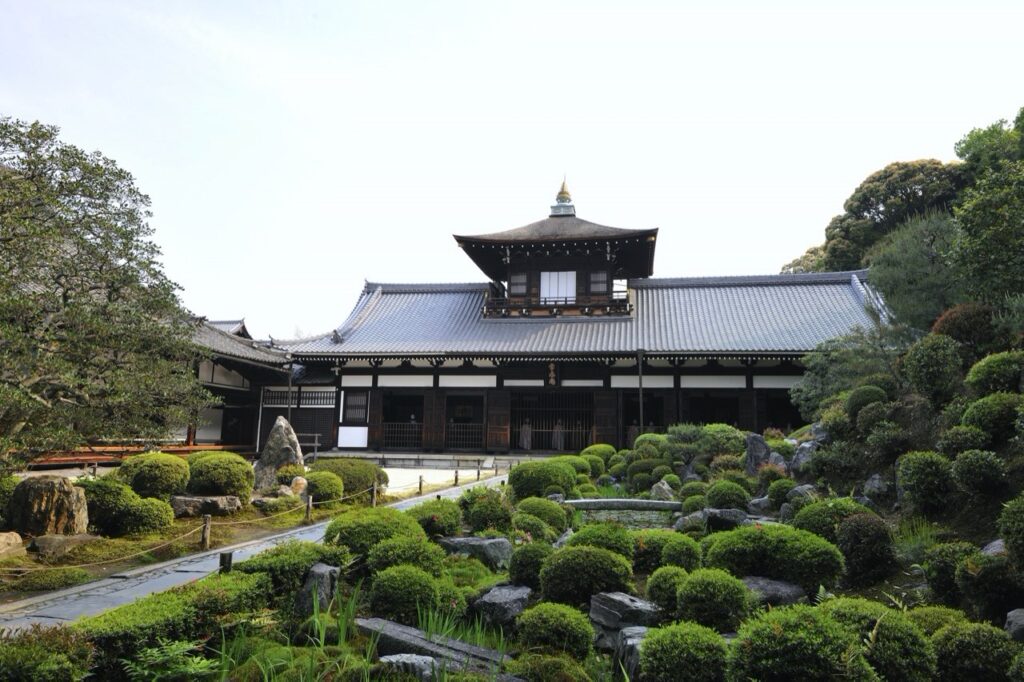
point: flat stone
(758, 453)
(282, 448)
(47, 505)
(197, 505)
(994, 548)
(420, 667)
(759, 505)
(662, 491)
(52, 547)
(11, 545)
(616, 610)
(1015, 625)
(493, 552)
(625, 504)
(805, 490)
(774, 592)
(321, 584)
(500, 605)
(627, 651)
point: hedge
(155, 474)
(531, 479)
(287, 564)
(115, 509)
(573, 574)
(400, 593)
(438, 517)
(361, 529)
(555, 627)
(418, 552)
(611, 536)
(357, 475)
(222, 474)
(684, 651)
(549, 511)
(824, 516)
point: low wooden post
(373, 495)
(94, 468)
(478, 470)
(204, 537)
(421, 484)
(309, 509)
(456, 476)
(225, 561)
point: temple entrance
(711, 408)
(653, 420)
(464, 422)
(403, 420)
(780, 411)
(551, 420)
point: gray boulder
(557, 497)
(775, 459)
(11, 545)
(47, 505)
(52, 547)
(627, 651)
(662, 491)
(563, 538)
(197, 505)
(1015, 625)
(616, 610)
(866, 501)
(493, 552)
(786, 512)
(758, 453)
(321, 584)
(694, 520)
(994, 548)
(500, 605)
(759, 506)
(282, 448)
(876, 485)
(724, 519)
(807, 490)
(774, 592)
(298, 486)
(420, 667)
(802, 456)
(819, 433)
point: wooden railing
(464, 436)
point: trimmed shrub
(361, 529)
(647, 547)
(617, 471)
(940, 562)
(722, 439)
(325, 487)
(489, 510)
(610, 536)
(641, 483)
(548, 511)
(684, 651)
(995, 415)
(997, 372)
(781, 446)
(972, 651)
(778, 490)
(866, 544)
(694, 503)
(860, 397)
(148, 516)
(115, 509)
(537, 529)
(438, 517)
(526, 562)
(287, 564)
(602, 450)
(357, 475)
(775, 644)
(203, 454)
(605, 480)
(835, 422)
(578, 464)
(596, 465)
(288, 472)
(662, 586)
(155, 474)
(824, 516)
(971, 324)
(582, 479)
(726, 463)
(418, 552)
(531, 479)
(555, 627)
(713, 598)
(682, 551)
(989, 583)
(673, 481)
(451, 599)
(768, 474)
(222, 474)
(979, 473)
(776, 551)
(957, 439)
(400, 592)
(932, 366)
(691, 488)
(661, 472)
(926, 478)
(871, 415)
(1011, 528)
(573, 574)
(54, 654)
(931, 619)
(537, 668)
(726, 495)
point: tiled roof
(557, 228)
(236, 327)
(231, 346)
(784, 314)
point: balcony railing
(403, 435)
(616, 303)
(463, 436)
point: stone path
(66, 605)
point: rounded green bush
(995, 415)
(663, 585)
(870, 416)
(647, 547)
(222, 474)
(537, 668)
(972, 651)
(526, 562)
(926, 478)
(546, 510)
(673, 481)
(115, 509)
(536, 528)
(596, 465)
(418, 552)
(555, 627)
(361, 529)
(610, 536)
(578, 464)
(778, 490)
(774, 645)
(644, 466)
(574, 574)
(722, 439)
(618, 471)
(726, 463)
(605, 480)
(694, 503)
(989, 583)
(776, 551)
(399, 593)
(932, 366)
(582, 479)
(739, 478)
(357, 475)
(602, 450)
(641, 483)
(287, 473)
(997, 372)
(768, 474)
(726, 495)
(438, 517)
(713, 598)
(979, 473)
(684, 651)
(1011, 528)
(682, 551)
(149, 516)
(531, 479)
(861, 397)
(867, 547)
(490, 511)
(931, 619)
(203, 454)
(824, 516)
(287, 563)
(660, 472)
(940, 562)
(325, 488)
(957, 439)
(155, 474)
(691, 488)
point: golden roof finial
(563, 196)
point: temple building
(569, 341)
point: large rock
(994, 548)
(876, 485)
(724, 519)
(617, 610)
(420, 667)
(774, 592)
(11, 545)
(1015, 625)
(493, 552)
(759, 506)
(662, 491)
(775, 459)
(47, 505)
(563, 538)
(758, 453)
(51, 547)
(282, 448)
(808, 490)
(819, 433)
(627, 651)
(321, 584)
(786, 512)
(500, 605)
(802, 456)
(298, 486)
(451, 654)
(197, 505)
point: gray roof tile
(228, 345)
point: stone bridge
(631, 513)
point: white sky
(293, 150)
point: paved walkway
(89, 599)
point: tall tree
(983, 149)
(94, 343)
